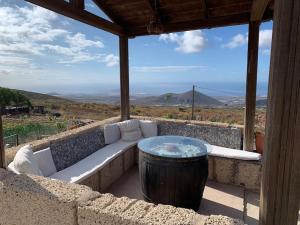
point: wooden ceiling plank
(66, 9)
(258, 9)
(205, 9)
(237, 8)
(201, 24)
(154, 12)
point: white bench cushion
(45, 162)
(233, 153)
(130, 130)
(149, 128)
(111, 133)
(25, 161)
(129, 125)
(91, 164)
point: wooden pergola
(280, 188)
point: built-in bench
(105, 165)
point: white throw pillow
(25, 162)
(132, 135)
(45, 162)
(149, 128)
(129, 125)
(111, 133)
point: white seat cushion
(130, 130)
(45, 162)
(149, 128)
(233, 153)
(129, 125)
(91, 164)
(111, 133)
(129, 136)
(11, 168)
(25, 161)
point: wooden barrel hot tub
(170, 175)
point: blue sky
(43, 51)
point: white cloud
(265, 40)
(13, 60)
(237, 41)
(79, 41)
(160, 69)
(188, 42)
(31, 31)
(111, 60)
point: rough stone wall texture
(70, 150)
(45, 143)
(108, 209)
(214, 133)
(39, 201)
(236, 172)
(34, 200)
(221, 136)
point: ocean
(148, 89)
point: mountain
(43, 99)
(169, 99)
(178, 99)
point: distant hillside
(43, 99)
(178, 99)
(261, 103)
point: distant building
(15, 110)
(39, 109)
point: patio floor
(218, 199)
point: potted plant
(259, 140)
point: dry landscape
(35, 126)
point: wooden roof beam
(258, 9)
(103, 8)
(68, 9)
(78, 4)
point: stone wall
(214, 133)
(63, 144)
(237, 172)
(27, 199)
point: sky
(45, 52)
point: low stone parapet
(235, 171)
(27, 199)
(220, 134)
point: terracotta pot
(259, 141)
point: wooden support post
(250, 104)
(2, 150)
(124, 78)
(193, 103)
(280, 190)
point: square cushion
(111, 133)
(130, 130)
(45, 162)
(25, 161)
(129, 125)
(132, 135)
(149, 128)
